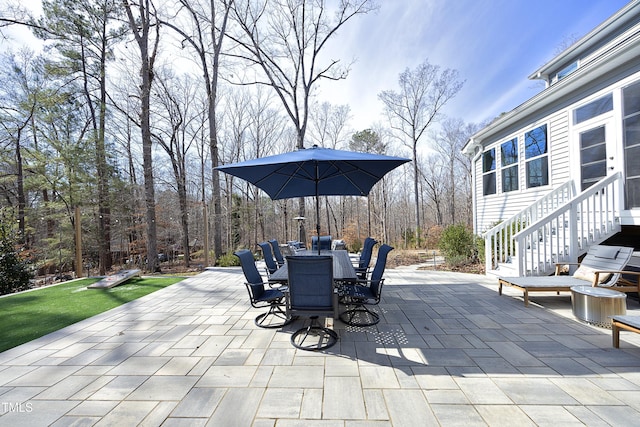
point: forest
(112, 125)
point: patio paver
(448, 351)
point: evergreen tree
(14, 272)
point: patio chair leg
(325, 337)
(615, 330)
(276, 311)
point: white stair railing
(567, 232)
(499, 244)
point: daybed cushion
(534, 282)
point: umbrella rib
(343, 174)
(290, 177)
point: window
(631, 129)
(509, 163)
(489, 172)
(593, 109)
(566, 71)
(535, 153)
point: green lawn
(29, 315)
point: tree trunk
(215, 175)
(22, 199)
(141, 29)
(416, 192)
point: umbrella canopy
(316, 172)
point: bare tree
(416, 106)
(142, 24)
(328, 128)
(285, 39)
(204, 34)
(177, 96)
(328, 125)
(434, 175)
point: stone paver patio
(448, 351)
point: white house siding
(559, 150)
(498, 207)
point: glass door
(593, 155)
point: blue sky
(494, 44)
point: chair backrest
(325, 243)
(267, 254)
(276, 251)
(378, 270)
(251, 274)
(310, 283)
(607, 258)
(367, 250)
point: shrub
(457, 261)
(228, 260)
(432, 236)
(14, 273)
(480, 249)
(456, 242)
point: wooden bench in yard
(628, 323)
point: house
(561, 172)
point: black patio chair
(362, 269)
(365, 292)
(267, 254)
(261, 296)
(311, 295)
(324, 242)
(276, 252)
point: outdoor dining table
(343, 270)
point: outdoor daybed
(601, 266)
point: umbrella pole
(317, 209)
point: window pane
(592, 137)
(632, 131)
(567, 70)
(593, 173)
(509, 152)
(631, 99)
(632, 188)
(631, 161)
(535, 142)
(593, 154)
(510, 179)
(489, 160)
(489, 183)
(537, 173)
(594, 109)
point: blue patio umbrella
(315, 172)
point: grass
(30, 315)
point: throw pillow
(589, 274)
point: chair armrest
(278, 286)
(621, 272)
